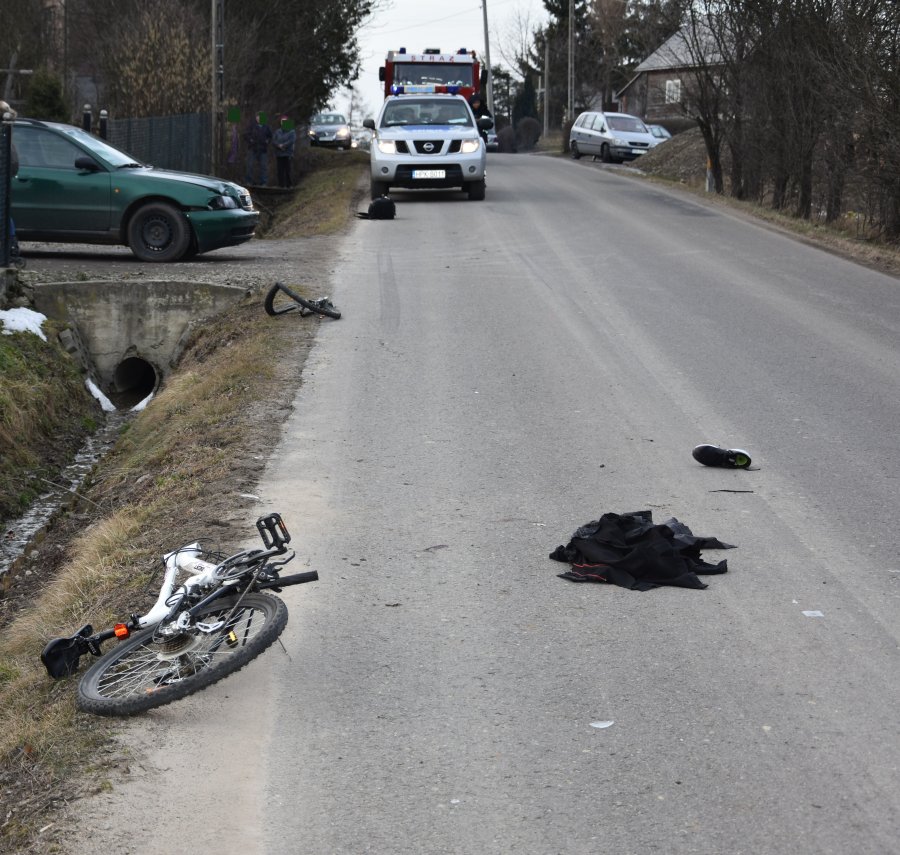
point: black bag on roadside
(382, 208)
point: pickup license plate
(429, 173)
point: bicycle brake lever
(278, 564)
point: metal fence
(167, 142)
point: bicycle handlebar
(296, 579)
(285, 581)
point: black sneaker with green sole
(727, 458)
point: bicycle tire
(270, 305)
(138, 674)
(319, 307)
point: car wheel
(159, 232)
(575, 152)
(378, 189)
(476, 190)
(604, 154)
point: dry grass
(322, 204)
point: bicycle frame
(186, 558)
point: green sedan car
(73, 187)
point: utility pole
(546, 83)
(5, 178)
(217, 101)
(570, 107)
(487, 59)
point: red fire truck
(430, 71)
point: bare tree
(285, 55)
(157, 60)
(292, 55)
(21, 44)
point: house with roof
(659, 90)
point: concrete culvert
(133, 380)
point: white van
(613, 137)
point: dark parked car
(329, 129)
(73, 187)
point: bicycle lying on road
(282, 299)
(209, 626)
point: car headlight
(387, 146)
(312, 135)
(470, 146)
(620, 142)
(343, 133)
(220, 203)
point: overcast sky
(444, 24)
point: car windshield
(328, 119)
(423, 111)
(627, 124)
(113, 156)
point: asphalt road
(504, 372)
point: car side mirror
(87, 164)
(485, 123)
(369, 123)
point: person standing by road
(284, 140)
(479, 108)
(257, 137)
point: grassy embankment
(197, 441)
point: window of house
(673, 91)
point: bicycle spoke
(145, 670)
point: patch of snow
(141, 404)
(105, 403)
(22, 320)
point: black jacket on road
(630, 551)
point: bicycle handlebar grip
(296, 579)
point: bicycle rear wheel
(146, 671)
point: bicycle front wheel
(148, 671)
